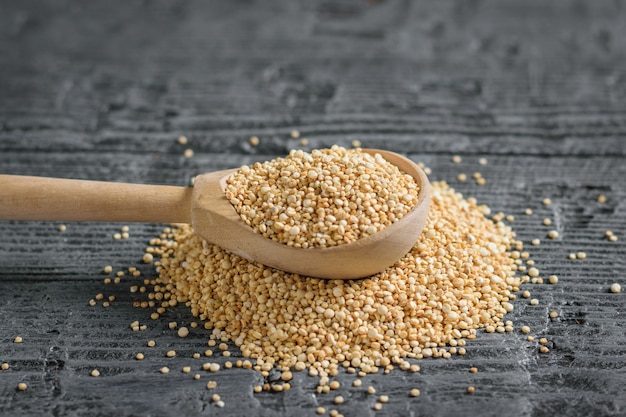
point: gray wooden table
(103, 90)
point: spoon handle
(41, 198)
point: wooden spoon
(213, 217)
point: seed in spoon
(324, 198)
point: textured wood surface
(101, 91)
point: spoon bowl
(212, 216)
(216, 220)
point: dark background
(102, 90)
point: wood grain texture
(101, 91)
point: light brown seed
(183, 332)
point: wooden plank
(103, 92)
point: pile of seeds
(457, 278)
(324, 198)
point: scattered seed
(148, 258)
(461, 177)
(534, 302)
(414, 392)
(471, 389)
(456, 159)
(4, 366)
(338, 399)
(165, 370)
(95, 373)
(615, 288)
(182, 140)
(547, 222)
(554, 314)
(254, 140)
(170, 353)
(553, 234)
(22, 386)
(553, 279)
(183, 332)
(295, 134)
(320, 410)
(602, 198)
(581, 255)
(188, 153)
(18, 339)
(139, 356)
(528, 212)
(473, 369)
